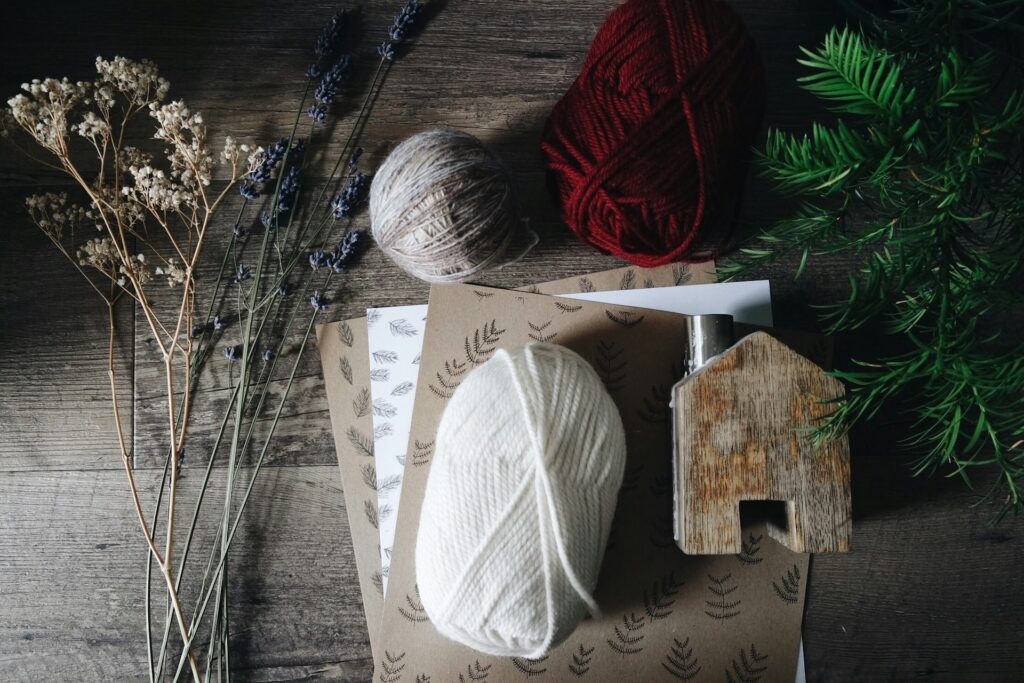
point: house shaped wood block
(743, 432)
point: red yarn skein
(647, 150)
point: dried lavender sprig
(347, 251)
(330, 35)
(250, 188)
(345, 203)
(289, 190)
(318, 301)
(318, 258)
(328, 88)
(400, 29)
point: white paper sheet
(395, 341)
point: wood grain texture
(743, 433)
(928, 592)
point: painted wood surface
(927, 593)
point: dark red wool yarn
(648, 150)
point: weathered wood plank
(72, 561)
(924, 594)
(55, 409)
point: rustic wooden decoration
(743, 433)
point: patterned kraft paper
(345, 360)
(666, 616)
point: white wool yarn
(519, 502)
(442, 207)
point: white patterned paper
(395, 341)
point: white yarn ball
(519, 502)
(442, 207)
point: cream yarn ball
(519, 502)
(442, 207)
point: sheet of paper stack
(666, 616)
(345, 356)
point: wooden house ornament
(743, 432)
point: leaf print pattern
(659, 599)
(586, 285)
(625, 318)
(345, 335)
(529, 667)
(747, 668)
(402, 328)
(413, 610)
(628, 635)
(362, 444)
(681, 274)
(788, 587)
(539, 332)
(382, 430)
(475, 672)
(680, 662)
(751, 548)
(380, 375)
(628, 280)
(391, 667)
(610, 365)
(478, 347)
(421, 452)
(384, 356)
(403, 389)
(361, 403)
(722, 605)
(374, 514)
(346, 369)
(655, 408)
(372, 316)
(567, 307)
(382, 408)
(450, 380)
(581, 658)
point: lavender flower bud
(265, 220)
(218, 323)
(328, 88)
(353, 160)
(318, 259)
(285, 289)
(262, 173)
(345, 203)
(242, 274)
(198, 331)
(239, 231)
(267, 355)
(346, 252)
(233, 353)
(288, 191)
(318, 302)
(386, 50)
(404, 21)
(249, 190)
(330, 35)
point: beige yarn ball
(519, 502)
(442, 207)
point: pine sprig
(921, 178)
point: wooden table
(930, 591)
